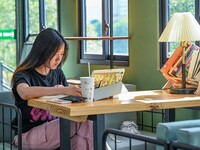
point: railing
(130, 136)
(5, 77)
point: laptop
(107, 77)
(108, 82)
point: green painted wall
(69, 28)
(143, 70)
(144, 52)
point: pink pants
(47, 136)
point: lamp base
(182, 91)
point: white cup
(87, 88)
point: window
(104, 18)
(7, 45)
(40, 14)
(167, 8)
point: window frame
(164, 17)
(42, 22)
(105, 58)
(25, 34)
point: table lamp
(183, 28)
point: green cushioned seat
(167, 131)
(189, 136)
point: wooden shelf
(98, 38)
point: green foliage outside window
(121, 29)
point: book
(197, 66)
(178, 64)
(197, 77)
(188, 59)
(194, 61)
(187, 64)
(172, 60)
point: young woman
(39, 75)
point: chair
(169, 136)
(26, 50)
(8, 111)
(177, 131)
(146, 142)
(187, 138)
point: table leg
(65, 143)
(98, 129)
(170, 115)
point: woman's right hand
(73, 90)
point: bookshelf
(99, 38)
(172, 69)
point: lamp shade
(181, 27)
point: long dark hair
(44, 48)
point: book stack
(172, 69)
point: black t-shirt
(31, 116)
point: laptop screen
(107, 77)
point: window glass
(50, 16)
(34, 16)
(51, 13)
(33, 19)
(7, 46)
(120, 26)
(93, 26)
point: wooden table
(126, 102)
